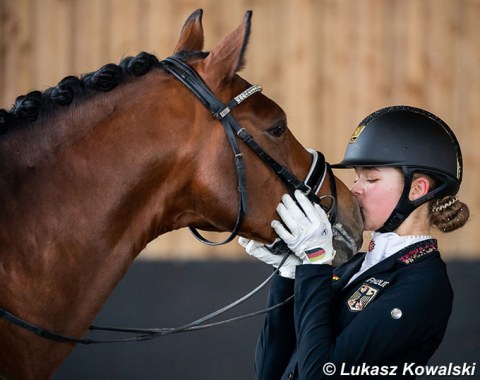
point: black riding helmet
(413, 140)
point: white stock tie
(384, 245)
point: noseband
(190, 78)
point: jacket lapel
(406, 256)
(383, 266)
(342, 274)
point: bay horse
(98, 166)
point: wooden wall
(328, 63)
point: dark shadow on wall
(167, 294)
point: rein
(314, 181)
(147, 334)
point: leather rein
(314, 181)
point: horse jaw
(348, 228)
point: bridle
(190, 78)
(314, 181)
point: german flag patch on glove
(315, 254)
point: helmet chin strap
(405, 206)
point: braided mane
(72, 89)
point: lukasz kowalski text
(410, 369)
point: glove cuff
(287, 271)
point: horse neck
(78, 212)
(90, 168)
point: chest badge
(361, 298)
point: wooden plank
(328, 63)
(16, 51)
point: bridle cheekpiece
(190, 78)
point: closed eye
(367, 180)
(278, 129)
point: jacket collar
(407, 256)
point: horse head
(215, 207)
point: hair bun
(448, 213)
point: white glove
(258, 250)
(310, 235)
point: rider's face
(378, 190)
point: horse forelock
(37, 105)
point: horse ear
(228, 56)
(191, 36)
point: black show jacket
(391, 316)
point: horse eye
(277, 130)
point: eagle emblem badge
(361, 298)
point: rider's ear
(228, 56)
(191, 36)
(420, 187)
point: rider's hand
(309, 232)
(260, 251)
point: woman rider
(385, 311)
